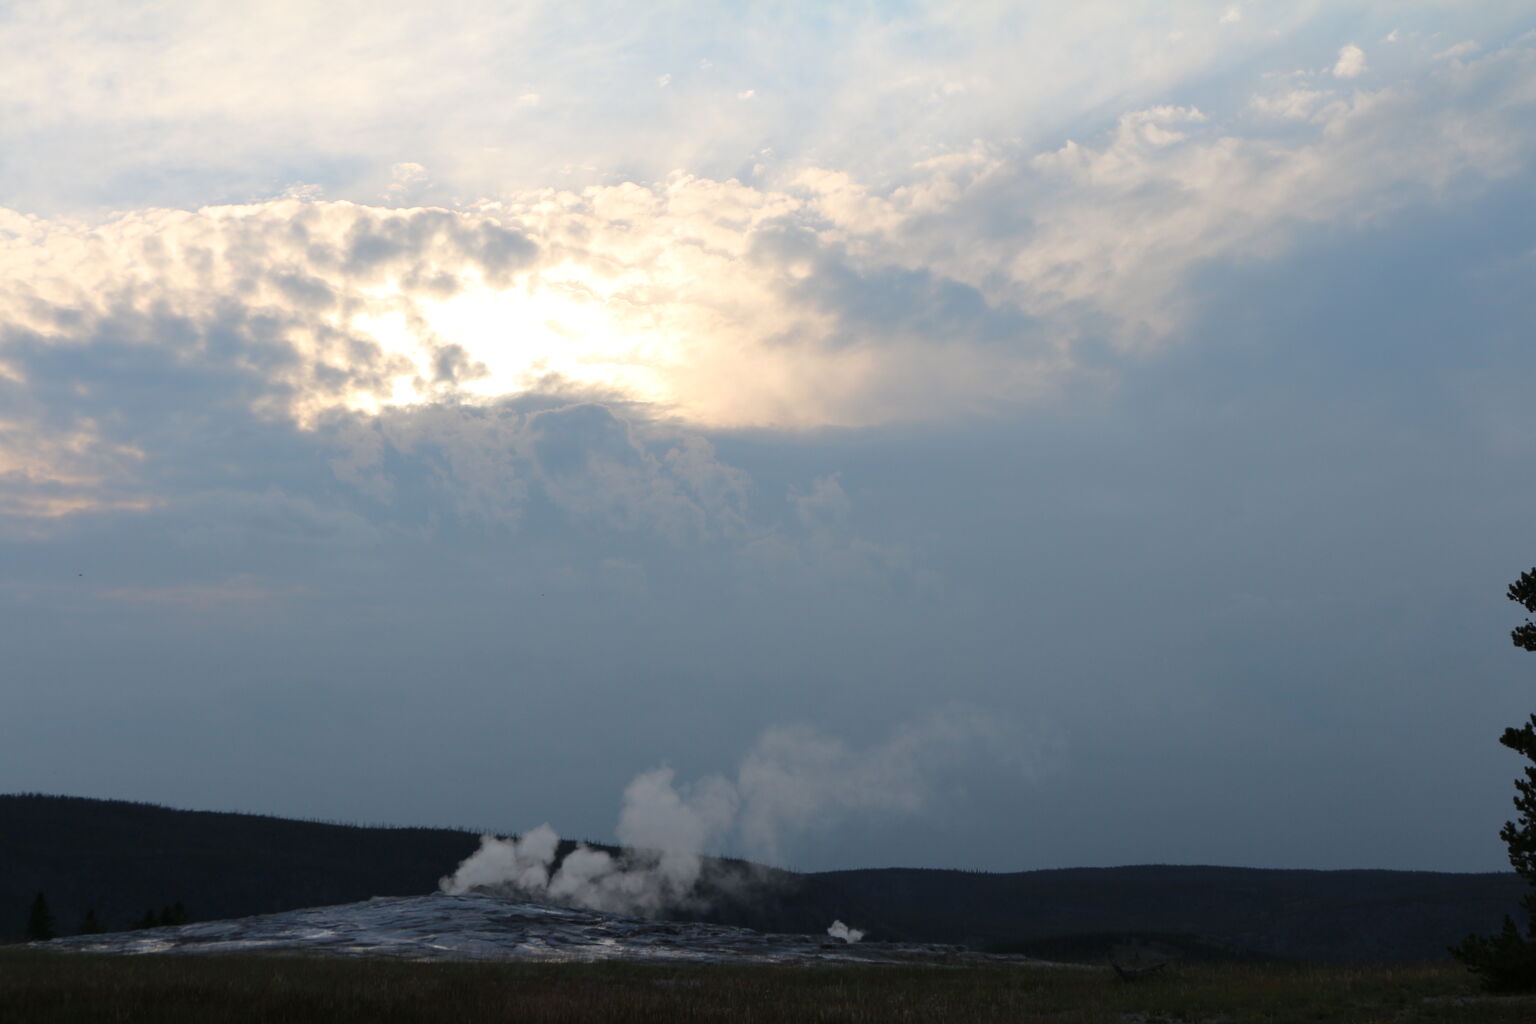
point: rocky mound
(480, 926)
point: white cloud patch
(1351, 62)
(1465, 48)
(405, 178)
(302, 296)
(1291, 104)
(1194, 195)
(182, 109)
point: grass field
(52, 988)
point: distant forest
(124, 860)
(127, 863)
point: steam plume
(794, 779)
(838, 930)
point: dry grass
(53, 988)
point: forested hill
(122, 859)
(1207, 912)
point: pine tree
(1506, 962)
(89, 925)
(40, 921)
(149, 920)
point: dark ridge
(1131, 948)
(1332, 916)
(122, 859)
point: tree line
(1506, 960)
(41, 926)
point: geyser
(838, 930)
(793, 779)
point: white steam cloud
(665, 833)
(795, 779)
(838, 930)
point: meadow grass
(53, 988)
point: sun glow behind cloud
(631, 336)
(562, 325)
(563, 322)
(964, 281)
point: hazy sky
(974, 435)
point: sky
(987, 436)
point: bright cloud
(1351, 63)
(826, 301)
(181, 109)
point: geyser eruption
(838, 930)
(793, 779)
(664, 832)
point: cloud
(277, 294)
(955, 283)
(602, 468)
(1351, 62)
(594, 467)
(183, 110)
(404, 179)
(1198, 192)
(272, 376)
(1465, 48)
(116, 415)
(826, 506)
(1297, 104)
(514, 345)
